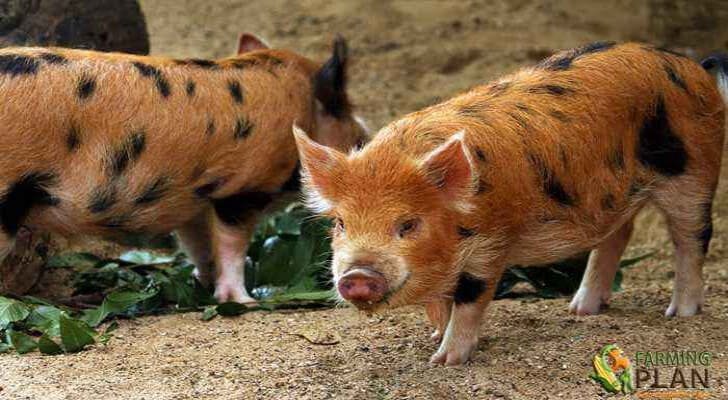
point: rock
(106, 25)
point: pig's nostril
(362, 285)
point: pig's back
(136, 142)
(571, 147)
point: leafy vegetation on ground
(286, 267)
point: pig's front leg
(230, 244)
(472, 295)
(438, 312)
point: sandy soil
(408, 54)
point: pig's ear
(450, 169)
(330, 82)
(320, 165)
(249, 42)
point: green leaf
(21, 342)
(141, 257)
(45, 319)
(106, 336)
(209, 313)
(617, 282)
(4, 347)
(75, 334)
(321, 295)
(46, 345)
(117, 302)
(12, 311)
(231, 309)
(79, 261)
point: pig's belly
(164, 217)
(553, 241)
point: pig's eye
(408, 227)
(338, 225)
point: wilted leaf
(21, 342)
(209, 313)
(141, 257)
(12, 311)
(46, 345)
(75, 334)
(231, 309)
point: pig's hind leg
(195, 240)
(230, 240)
(596, 285)
(687, 204)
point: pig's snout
(362, 286)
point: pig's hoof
(234, 293)
(436, 336)
(453, 355)
(587, 302)
(683, 310)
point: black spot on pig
(28, 191)
(474, 109)
(73, 139)
(151, 72)
(608, 202)
(210, 130)
(127, 152)
(499, 88)
(665, 51)
(102, 199)
(469, 288)
(480, 155)
(554, 90)
(242, 129)
(560, 115)
(208, 188)
(659, 148)
(14, 65)
(257, 60)
(190, 88)
(552, 186)
(706, 233)
(115, 221)
(237, 208)
(616, 158)
(483, 187)
(562, 61)
(86, 87)
(465, 232)
(236, 91)
(52, 58)
(198, 62)
(154, 191)
(675, 78)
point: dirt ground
(407, 54)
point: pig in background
(545, 163)
(108, 143)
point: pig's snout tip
(363, 287)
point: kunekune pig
(102, 143)
(545, 163)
